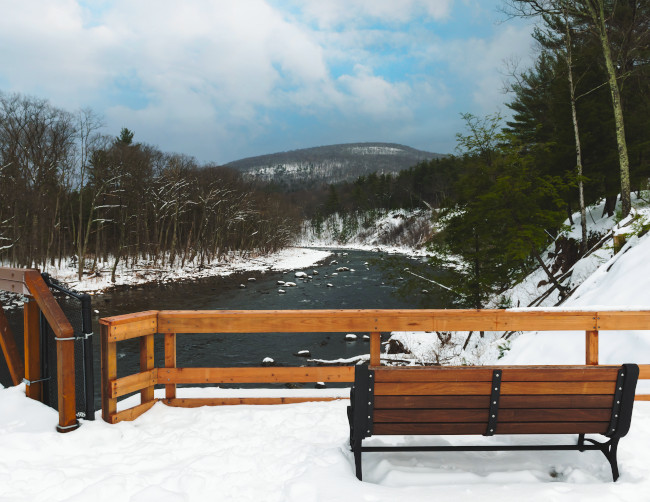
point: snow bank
(292, 453)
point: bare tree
(88, 141)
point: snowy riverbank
(293, 258)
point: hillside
(310, 167)
(602, 279)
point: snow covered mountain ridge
(309, 167)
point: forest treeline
(70, 192)
(579, 133)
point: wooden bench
(493, 400)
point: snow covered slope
(606, 281)
(600, 280)
(398, 231)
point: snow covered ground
(299, 452)
(292, 452)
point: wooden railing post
(32, 339)
(65, 373)
(170, 362)
(591, 347)
(146, 364)
(375, 349)
(10, 351)
(109, 373)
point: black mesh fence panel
(77, 309)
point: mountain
(310, 167)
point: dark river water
(363, 286)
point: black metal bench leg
(581, 441)
(610, 452)
(356, 449)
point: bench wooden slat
(433, 429)
(483, 388)
(481, 415)
(514, 401)
(534, 388)
(432, 402)
(597, 374)
(440, 374)
(424, 416)
(555, 415)
(553, 428)
(562, 401)
(510, 374)
(432, 389)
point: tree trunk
(597, 12)
(576, 133)
(610, 205)
(551, 277)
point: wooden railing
(170, 323)
(30, 283)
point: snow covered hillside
(397, 231)
(600, 280)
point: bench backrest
(494, 400)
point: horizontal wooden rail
(167, 376)
(256, 375)
(170, 323)
(320, 321)
(226, 401)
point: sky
(222, 80)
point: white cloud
(331, 13)
(480, 61)
(373, 95)
(203, 76)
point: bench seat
(486, 400)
